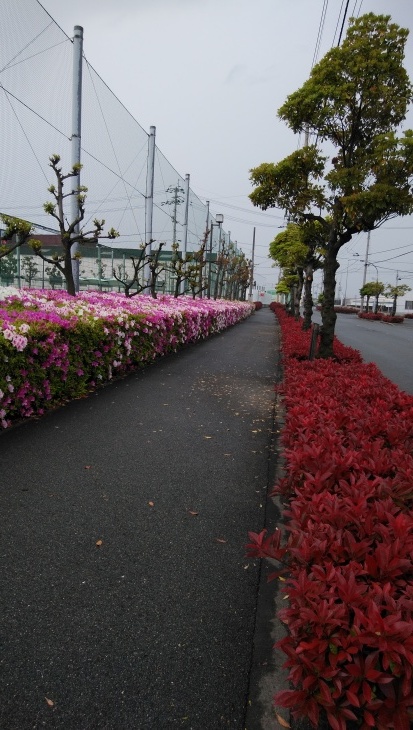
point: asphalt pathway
(126, 600)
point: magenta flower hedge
(54, 347)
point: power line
(344, 20)
(320, 32)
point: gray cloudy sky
(210, 75)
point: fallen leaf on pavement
(220, 539)
(88, 467)
(99, 543)
(151, 504)
(281, 720)
(207, 437)
(49, 702)
(192, 512)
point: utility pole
(252, 265)
(76, 139)
(176, 200)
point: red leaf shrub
(348, 444)
(376, 316)
(394, 319)
(343, 309)
(258, 305)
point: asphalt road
(390, 346)
(126, 600)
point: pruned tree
(395, 292)
(239, 275)
(69, 231)
(155, 268)
(299, 250)
(16, 233)
(355, 100)
(134, 284)
(372, 289)
(195, 268)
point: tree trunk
(68, 272)
(298, 290)
(394, 307)
(308, 298)
(328, 315)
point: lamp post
(219, 218)
(345, 288)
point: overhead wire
(320, 32)
(344, 20)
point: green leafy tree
(298, 250)
(372, 289)
(55, 277)
(8, 268)
(70, 234)
(355, 100)
(30, 269)
(396, 291)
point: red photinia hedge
(393, 318)
(348, 482)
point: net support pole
(76, 140)
(150, 178)
(185, 241)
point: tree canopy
(354, 102)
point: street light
(345, 288)
(219, 218)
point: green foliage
(30, 269)
(397, 291)
(372, 289)
(8, 267)
(288, 184)
(355, 100)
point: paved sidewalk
(126, 600)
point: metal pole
(345, 286)
(201, 293)
(366, 263)
(99, 267)
(252, 265)
(209, 266)
(185, 241)
(149, 202)
(76, 138)
(19, 278)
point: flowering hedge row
(348, 484)
(54, 347)
(380, 316)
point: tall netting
(36, 71)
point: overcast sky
(211, 75)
